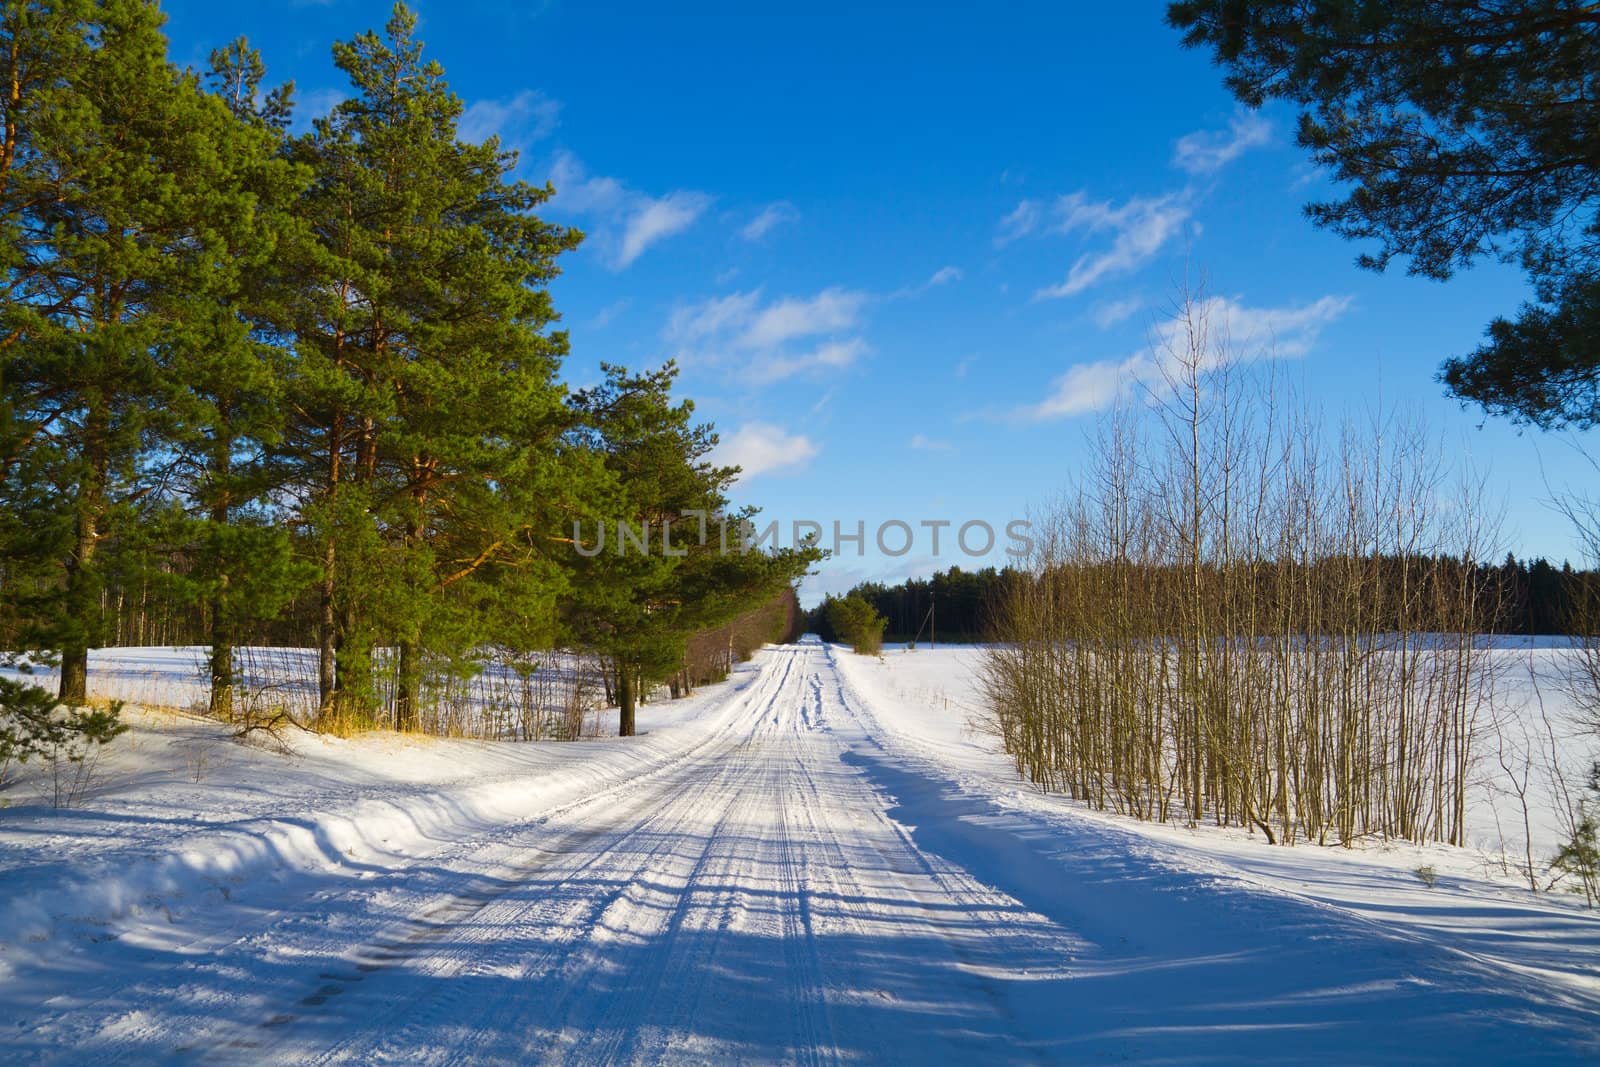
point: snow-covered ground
(541, 696)
(818, 862)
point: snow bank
(179, 817)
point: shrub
(858, 623)
(1579, 858)
(34, 723)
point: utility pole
(933, 628)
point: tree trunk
(354, 693)
(408, 678)
(221, 625)
(408, 683)
(627, 700)
(326, 631)
(82, 600)
(221, 669)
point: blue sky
(900, 248)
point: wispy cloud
(1234, 334)
(518, 120)
(655, 219)
(608, 314)
(771, 217)
(760, 448)
(629, 221)
(771, 340)
(1110, 313)
(924, 443)
(834, 577)
(942, 276)
(1023, 220)
(1208, 151)
(1139, 228)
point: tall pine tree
(231, 410)
(125, 220)
(639, 593)
(425, 366)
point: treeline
(1523, 596)
(1537, 597)
(953, 605)
(305, 388)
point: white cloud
(760, 447)
(830, 310)
(518, 121)
(830, 354)
(772, 216)
(712, 317)
(1112, 312)
(924, 443)
(630, 221)
(651, 220)
(1208, 151)
(1234, 334)
(1090, 387)
(942, 276)
(835, 577)
(1139, 228)
(768, 341)
(1022, 221)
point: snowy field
(819, 861)
(539, 696)
(1528, 739)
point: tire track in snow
(747, 898)
(392, 942)
(411, 946)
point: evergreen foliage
(1522, 596)
(33, 723)
(952, 605)
(307, 389)
(685, 569)
(128, 217)
(856, 623)
(1461, 131)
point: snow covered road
(796, 885)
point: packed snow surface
(818, 862)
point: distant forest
(1524, 597)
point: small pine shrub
(1579, 858)
(858, 623)
(33, 723)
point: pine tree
(122, 206)
(230, 413)
(639, 607)
(1458, 131)
(425, 360)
